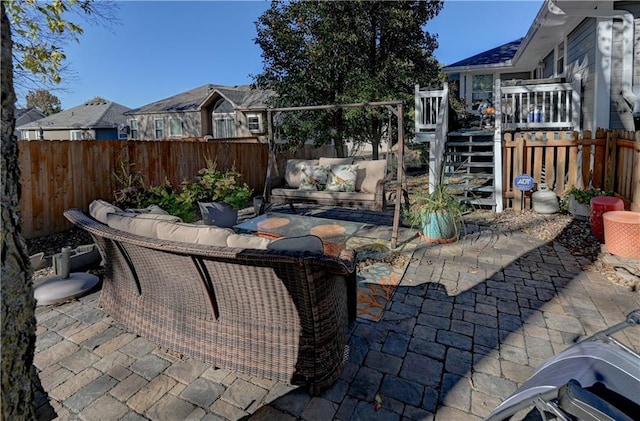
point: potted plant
(578, 201)
(218, 194)
(437, 214)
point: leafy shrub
(213, 185)
(170, 201)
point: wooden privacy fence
(610, 161)
(61, 174)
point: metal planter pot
(439, 227)
(219, 214)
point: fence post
(611, 153)
(518, 167)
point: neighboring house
(595, 44)
(26, 115)
(103, 120)
(209, 111)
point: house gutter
(630, 94)
(505, 65)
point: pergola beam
(336, 106)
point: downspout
(630, 93)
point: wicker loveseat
(276, 314)
(369, 185)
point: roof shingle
(89, 115)
(242, 96)
(496, 55)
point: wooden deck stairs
(469, 167)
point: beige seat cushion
(193, 234)
(248, 241)
(99, 209)
(369, 173)
(139, 224)
(336, 161)
(293, 172)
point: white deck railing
(429, 108)
(538, 106)
(431, 118)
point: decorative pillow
(313, 177)
(292, 173)
(342, 178)
(305, 242)
(99, 209)
(194, 234)
(336, 161)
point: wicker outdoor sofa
(275, 314)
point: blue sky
(162, 48)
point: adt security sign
(524, 182)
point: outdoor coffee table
(333, 233)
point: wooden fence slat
(549, 164)
(561, 164)
(597, 177)
(635, 182)
(610, 161)
(537, 157)
(624, 171)
(520, 158)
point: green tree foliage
(333, 52)
(96, 100)
(44, 100)
(40, 30)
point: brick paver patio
(469, 322)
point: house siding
(636, 54)
(548, 65)
(65, 134)
(191, 126)
(621, 114)
(581, 49)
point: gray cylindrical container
(545, 200)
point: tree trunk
(376, 137)
(18, 304)
(375, 146)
